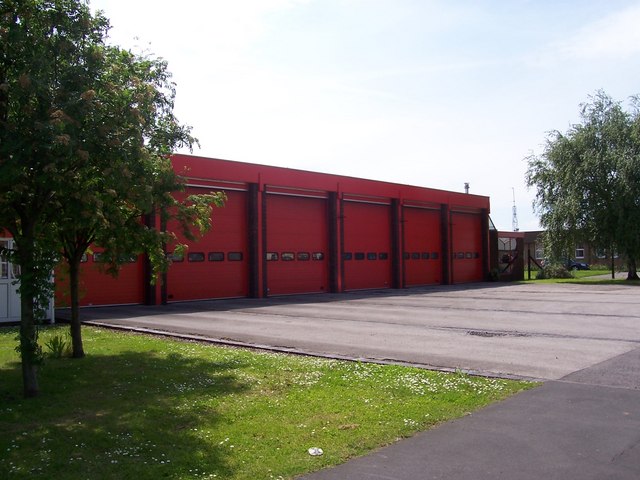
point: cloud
(616, 36)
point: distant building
(582, 252)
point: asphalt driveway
(541, 331)
(582, 424)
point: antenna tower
(514, 218)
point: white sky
(430, 93)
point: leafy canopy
(587, 180)
(86, 130)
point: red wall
(279, 210)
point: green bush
(553, 271)
(58, 346)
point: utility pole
(514, 218)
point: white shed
(9, 296)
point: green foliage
(58, 346)
(554, 270)
(588, 181)
(145, 407)
(86, 131)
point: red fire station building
(285, 231)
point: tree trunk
(28, 334)
(613, 265)
(633, 274)
(76, 327)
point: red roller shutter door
(367, 246)
(216, 265)
(422, 246)
(296, 245)
(466, 247)
(99, 288)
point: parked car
(574, 265)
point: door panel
(467, 254)
(297, 245)
(367, 246)
(422, 255)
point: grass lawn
(586, 276)
(144, 407)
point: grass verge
(145, 407)
(591, 277)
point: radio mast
(514, 218)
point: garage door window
(216, 256)
(196, 257)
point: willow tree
(85, 134)
(588, 181)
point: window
(539, 254)
(406, 256)
(372, 256)
(4, 262)
(195, 257)
(317, 256)
(434, 255)
(97, 257)
(425, 255)
(383, 256)
(580, 251)
(347, 256)
(601, 253)
(235, 256)
(84, 258)
(174, 257)
(460, 255)
(288, 256)
(303, 256)
(415, 255)
(216, 256)
(272, 256)
(468, 255)
(359, 256)
(476, 255)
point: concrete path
(583, 423)
(531, 331)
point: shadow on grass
(126, 415)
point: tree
(85, 134)
(126, 131)
(588, 181)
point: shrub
(553, 271)
(58, 346)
